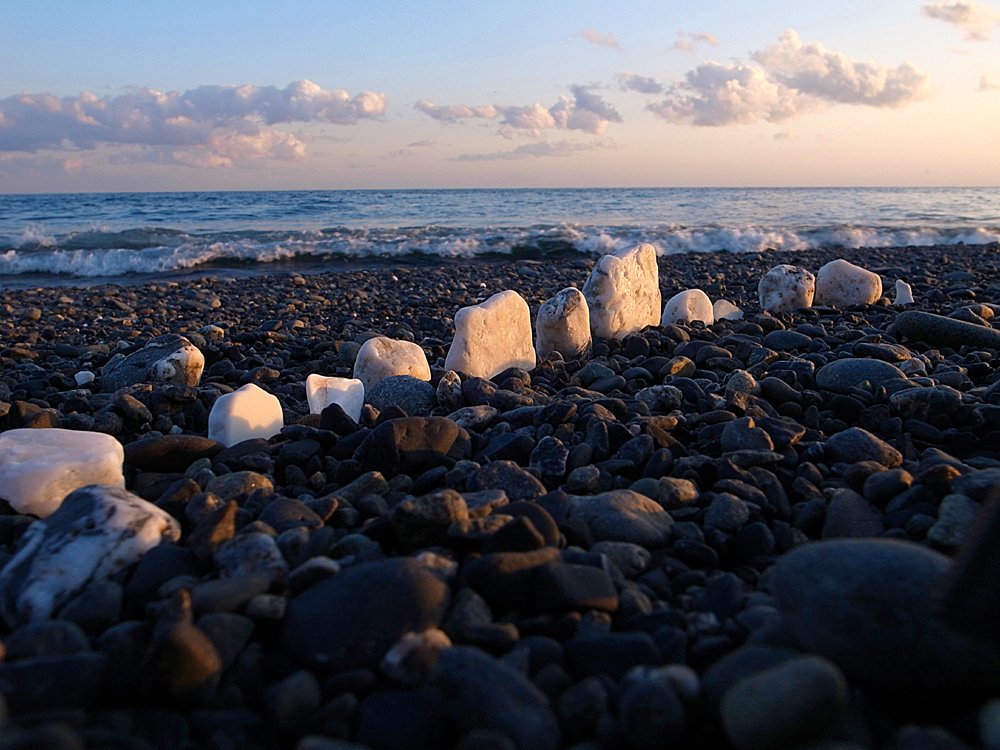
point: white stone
(348, 392)
(563, 325)
(250, 412)
(786, 287)
(83, 377)
(687, 307)
(904, 293)
(726, 310)
(839, 284)
(492, 336)
(39, 467)
(380, 358)
(623, 292)
(168, 359)
(98, 531)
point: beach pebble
(413, 657)
(164, 359)
(414, 396)
(322, 391)
(841, 284)
(942, 331)
(449, 391)
(856, 444)
(96, 532)
(38, 468)
(688, 306)
(170, 452)
(424, 521)
(382, 357)
(623, 516)
(251, 554)
(651, 712)
(725, 310)
(955, 518)
(412, 445)
(562, 325)
(250, 412)
(623, 292)
(904, 293)
(492, 336)
(843, 374)
(786, 287)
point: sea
(93, 238)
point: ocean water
(61, 239)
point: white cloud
(629, 81)
(426, 143)
(607, 41)
(976, 20)
(455, 111)
(210, 126)
(537, 150)
(686, 40)
(988, 83)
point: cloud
(791, 78)
(537, 150)
(455, 111)
(976, 20)
(607, 41)
(629, 81)
(426, 143)
(686, 40)
(18, 166)
(210, 126)
(988, 83)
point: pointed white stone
(904, 293)
(39, 467)
(250, 412)
(726, 310)
(380, 358)
(786, 287)
(839, 284)
(688, 306)
(492, 336)
(563, 325)
(623, 292)
(348, 392)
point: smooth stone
(736, 666)
(841, 284)
(38, 468)
(424, 521)
(169, 452)
(414, 396)
(727, 513)
(249, 412)
(632, 559)
(52, 683)
(164, 359)
(786, 341)
(492, 336)
(623, 292)
(623, 516)
(348, 392)
(843, 374)
(97, 531)
(904, 293)
(661, 398)
(249, 555)
(941, 331)
(382, 357)
(413, 444)
(978, 485)
(651, 711)
(786, 287)
(516, 482)
(856, 444)
(956, 516)
(687, 307)
(449, 391)
(562, 325)
(743, 434)
(725, 310)
(926, 403)
(848, 514)
(238, 483)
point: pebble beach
(789, 547)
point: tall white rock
(786, 287)
(839, 284)
(250, 412)
(904, 293)
(623, 292)
(563, 325)
(348, 392)
(492, 336)
(688, 306)
(39, 467)
(381, 357)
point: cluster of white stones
(837, 284)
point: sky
(115, 95)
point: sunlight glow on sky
(109, 95)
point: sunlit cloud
(988, 83)
(976, 20)
(687, 40)
(538, 150)
(607, 41)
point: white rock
(98, 531)
(563, 325)
(348, 392)
(492, 336)
(623, 292)
(688, 306)
(726, 310)
(39, 467)
(786, 287)
(250, 412)
(904, 293)
(83, 377)
(839, 284)
(380, 358)
(168, 359)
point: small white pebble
(83, 377)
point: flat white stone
(380, 358)
(348, 392)
(904, 293)
(726, 310)
(563, 325)
(623, 292)
(839, 284)
(98, 531)
(39, 467)
(492, 336)
(83, 377)
(687, 307)
(786, 287)
(250, 412)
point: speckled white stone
(726, 310)
(839, 284)
(250, 412)
(786, 287)
(904, 293)
(492, 336)
(381, 357)
(688, 306)
(623, 292)
(563, 325)
(322, 391)
(39, 467)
